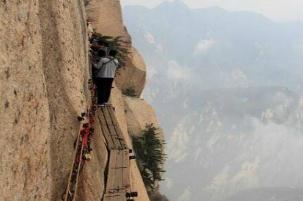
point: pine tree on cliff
(150, 154)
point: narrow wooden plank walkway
(117, 185)
(118, 175)
(118, 178)
(111, 129)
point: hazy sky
(280, 10)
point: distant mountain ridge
(228, 90)
(269, 194)
(228, 41)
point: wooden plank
(108, 124)
(106, 112)
(115, 197)
(126, 170)
(105, 131)
(113, 116)
(118, 171)
(111, 173)
(114, 120)
(111, 128)
(114, 173)
(117, 127)
(119, 134)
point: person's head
(101, 53)
(113, 53)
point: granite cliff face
(44, 73)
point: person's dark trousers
(104, 87)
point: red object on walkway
(85, 134)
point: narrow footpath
(117, 187)
(117, 175)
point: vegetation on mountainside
(129, 92)
(149, 149)
(116, 43)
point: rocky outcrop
(132, 77)
(139, 114)
(106, 17)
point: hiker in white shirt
(105, 74)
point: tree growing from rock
(149, 149)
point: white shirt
(107, 67)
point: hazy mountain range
(268, 194)
(227, 88)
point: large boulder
(131, 78)
(106, 17)
(139, 114)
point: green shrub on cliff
(130, 91)
(116, 43)
(149, 149)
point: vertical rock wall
(65, 66)
(43, 76)
(24, 123)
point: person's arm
(95, 64)
(99, 64)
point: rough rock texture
(106, 17)
(138, 114)
(24, 106)
(133, 75)
(42, 90)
